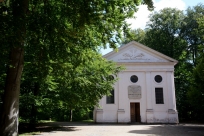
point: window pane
(110, 99)
(134, 78)
(159, 96)
(158, 78)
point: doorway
(135, 112)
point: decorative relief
(134, 92)
(121, 111)
(133, 55)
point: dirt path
(91, 129)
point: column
(121, 111)
(172, 112)
(149, 109)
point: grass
(46, 121)
(89, 120)
(29, 134)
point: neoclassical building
(145, 91)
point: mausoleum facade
(145, 91)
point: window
(158, 78)
(159, 96)
(134, 78)
(110, 98)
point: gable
(136, 52)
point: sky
(142, 14)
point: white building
(145, 90)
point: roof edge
(143, 47)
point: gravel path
(91, 129)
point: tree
(196, 93)
(54, 19)
(88, 81)
(136, 35)
(78, 83)
(191, 32)
(163, 32)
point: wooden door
(132, 112)
(135, 112)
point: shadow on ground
(44, 127)
(138, 129)
(172, 130)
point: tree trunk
(10, 108)
(71, 113)
(10, 112)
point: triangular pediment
(136, 52)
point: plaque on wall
(134, 92)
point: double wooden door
(135, 112)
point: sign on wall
(134, 92)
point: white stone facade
(144, 63)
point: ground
(92, 129)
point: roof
(136, 52)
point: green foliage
(183, 75)
(163, 32)
(79, 83)
(191, 32)
(196, 92)
(201, 26)
(62, 69)
(136, 35)
(82, 114)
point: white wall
(120, 110)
